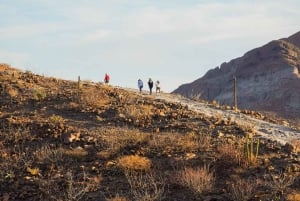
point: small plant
(117, 198)
(242, 190)
(56, 119)
(39, 94)
(280, 183)
(33, 171)
(92, 97)
(47, 154)
(230, 155)
(12, 92)
(73, 187)
(134, 162)
(247, 127)
(145, 186)
(296, 145)
(251, 149)
(77, 153)
(199, 180)
(295, 196)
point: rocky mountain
(268, 79)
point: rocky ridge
(268, 79)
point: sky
(173, 41)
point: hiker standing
(140, 85)
(150, 84)
(106, 78)
(157, 86)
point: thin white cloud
(23, 31)
(96, 36)
(143, 34)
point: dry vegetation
(60, 140)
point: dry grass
(199, 180)
(145, 186)
(242, 190)
(56, 119)
(134, 162)
(72, 187)
(296, 145)
(191, 142)
(47, 154)
(117, 198)
(16, 135)
(244, 152)
(93, 97)
(39, 94)
(247, 127)
(114, 139)
(280, 182)
(77, 153)
(13, 92)
(54, 155)
(138, 111)
(230, 155)
(294, 196)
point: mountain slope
(268, 79)
(63, 140)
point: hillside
(268, 79)
(66, 140)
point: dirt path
(265, 129)
(268, 130)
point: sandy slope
(268, 130)
(265, 129)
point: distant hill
(268, 79)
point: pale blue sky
(175, 41)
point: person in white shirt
(157, 86)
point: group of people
(150, 85)
(140, 84)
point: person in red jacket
(106, 78)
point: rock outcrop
(268, 79)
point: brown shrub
(114, 139)
(242, 190)
(190, 142)
(200, 180)
(229, 155)
(145, 186)
(294, 196)
(117, 198)
(134, 162)
(94, 97)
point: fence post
(207, 94)
(78, 89)
(235, 94)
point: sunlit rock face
(268, 79)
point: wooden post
(235, 94)
(78, 89)
(207, 94)
(78, 84)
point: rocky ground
(64, 140)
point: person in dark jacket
(150, 84)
